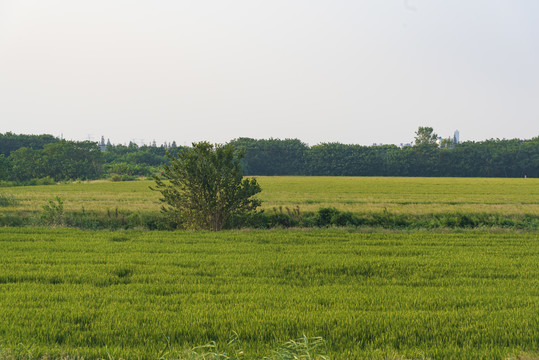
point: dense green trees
(134, 160)
(204, 185)
(66, 160)
(5, 167)
(272, 156)
(26, 157)
(491, 158)
(10, 142)
(58, 160)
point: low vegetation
(391, 203)
(139, 294)
(380, 268)
(7, 200)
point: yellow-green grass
(468, 295)
(415, 196)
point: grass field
(456, 294)
(468, 295)
(415, 196)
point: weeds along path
(133, 294)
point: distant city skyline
(354, 72)
(149, 141)
(143, 142)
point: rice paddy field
(462, 294)
(354, 194)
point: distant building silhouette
(456, 137)
(102, 145)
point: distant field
(356, 194)
(466, 295)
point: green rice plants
(401, 294)
(119, 238)
(123, 271)
(301, 349)
(211, 351)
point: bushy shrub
(7, 200)
(53, 212)
(124, 177)
(333, 217)
(15, 220)
(41, 181)
(345, 219)
(124, 168)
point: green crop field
(356, 194)
(141, 294)
(382, 295)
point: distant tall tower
(456, 137)
(102, 145)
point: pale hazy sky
(322, 71)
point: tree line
(43, 159)
(490, 158)
(25, 158)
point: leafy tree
(272, 156)
(5, 167)
(447, 143)
(26, 164)
(10, 142)
(66, 160)
(425, 136)
(206, 186)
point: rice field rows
(412, 196)
(467, 295)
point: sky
(349, 71)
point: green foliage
(301, 349)
(10, 142)
(272, 156)
(67, 160)
(122, 161)
(47, 180)
(119, 238)
(61, 160)
(26, 164)
(409, 203)
(490, 158)
(277, 218)
(24, 157)
(124, 169)
(7, 200)
(425, 135)
(206, 186)
(53, 213)
(467, 295)
(5, 168)
(117, 178)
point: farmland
(370, 295)
(359, 195)
(369, 292)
